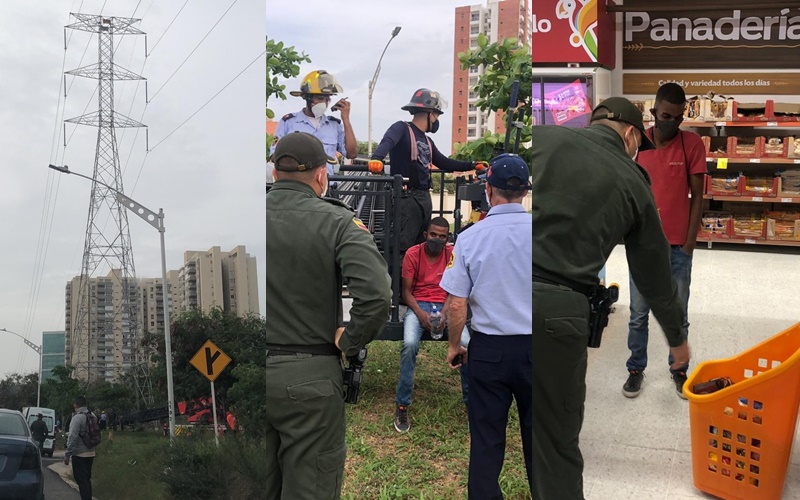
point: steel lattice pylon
(94, 332)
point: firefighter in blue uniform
(336, 134)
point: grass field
(431, 460)
(128, 468)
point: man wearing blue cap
(489, 271)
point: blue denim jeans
(412, 333)
(681, 265)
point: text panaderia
(777, 28)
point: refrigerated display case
(566, 96)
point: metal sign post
(214, 411)
(210, 361)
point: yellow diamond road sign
(210, 360)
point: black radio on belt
(600, 301)
(352, 376)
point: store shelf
(777, 243)
(773, 124)
(757, 199)
(766, 160)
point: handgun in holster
(600, 301)
(352, 376)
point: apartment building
(108, 345)
(498, 20)
(104, 347)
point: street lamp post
(157, 221)
(38, 350)
(372, 82)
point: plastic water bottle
(435, 318)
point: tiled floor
(641, 448)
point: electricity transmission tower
(103, 331)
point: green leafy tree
(282, 62)
(59, 391)
(363, 148)
(18, 391)
(241, 384)
(504, 62)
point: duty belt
(543, 276)
(314, 349)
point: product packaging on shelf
(783, 226)
(715, 225)
(760, 186)
(722, 184)
(789, 183)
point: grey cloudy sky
(207, 176)
(346, 38)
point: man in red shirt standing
(676, 168)
(423, 267)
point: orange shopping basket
(742, 435)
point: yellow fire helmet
(318, 82)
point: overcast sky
(207, 176)
(346, 38)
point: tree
(59, 391)
(504, 62)
(18, 391)
(282, 62)
(242, 383)
(363, 148)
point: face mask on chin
(319, 109)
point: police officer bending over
(312, 243)
(588, 195)
(489, 270)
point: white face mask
(636, 151)
(319, 109)
(324, 184)
(489, 203)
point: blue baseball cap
(506, 167)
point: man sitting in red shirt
(423, 267)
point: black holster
(600, 301)
(351, 376)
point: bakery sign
(721, 38)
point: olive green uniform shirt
(312, 244)
(588, 195)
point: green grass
(129, 467)
(431, 461)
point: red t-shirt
(425, 275)
(669, 177)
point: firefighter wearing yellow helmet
(337, 136)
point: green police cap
(619, 109)
(303, 148)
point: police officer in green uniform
(588, 195)
(312, 244)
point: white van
(49, 416)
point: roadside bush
(194, 468)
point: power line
(194, 49)
(208, 101)
(168, 27)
